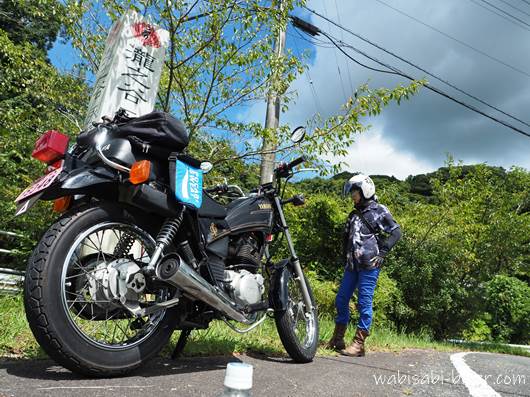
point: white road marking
(476, 385)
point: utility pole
(272, 117)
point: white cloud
(371, 154)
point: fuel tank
(250, 213)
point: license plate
(39, 185)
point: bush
(317, 229)
(508, 302)
(324, 293)
(478, 329)
(390, 310)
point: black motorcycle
(142, 250)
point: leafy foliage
(32, 21)
(508, 301)
(439, 277)
(34, 97)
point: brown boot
(337, 340)
(356, 349)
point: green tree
(32, 21)
(34, 97)
(451, 250)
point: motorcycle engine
(245, 253)
(244, 287)
(241, 278)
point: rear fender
(94, 181)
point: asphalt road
(411, 372)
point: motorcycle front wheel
(298, 331)
(70, 294)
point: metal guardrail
(460, 342)
(11, 280)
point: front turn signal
(140, 172)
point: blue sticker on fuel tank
(188, 184)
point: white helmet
(362, 182)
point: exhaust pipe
(176, 272)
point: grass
(16, 340)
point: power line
(396, 71)
(337, 60)
(505, 12)
(342, 38)
(312, 40)
(318, 108)
(499, 15)
(425, 71)
(452, 38)
(437, 90)
(525, 1)
(515, 8)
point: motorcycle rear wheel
(69, 324)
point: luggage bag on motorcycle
(157, 128)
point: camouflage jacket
(361, 245)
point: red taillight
(269, 238)
(53, 166)
(50, 147)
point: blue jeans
(366, 281)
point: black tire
(299, 351)
(48, 316)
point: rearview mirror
(298, 134)
(206, 167)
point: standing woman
(365, 250)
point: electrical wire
(430, 87)
(515, 8)
(396, 71)
(428, 73)
(342, 38)
(498, 14)
(312, 40)
(445, 35)
(309, 80)
(505, 12)
(336, 59)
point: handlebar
(295, 162)
(283, 169)
(219, 189)
(223, 188)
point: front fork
(295, 262)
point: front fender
(279, 293)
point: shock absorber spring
(124, 245)
(168, 231)
(165, 237)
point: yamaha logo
(264, 206)
(214, 231)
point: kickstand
(179, 347)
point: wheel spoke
(86, 287)
(303, 326)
